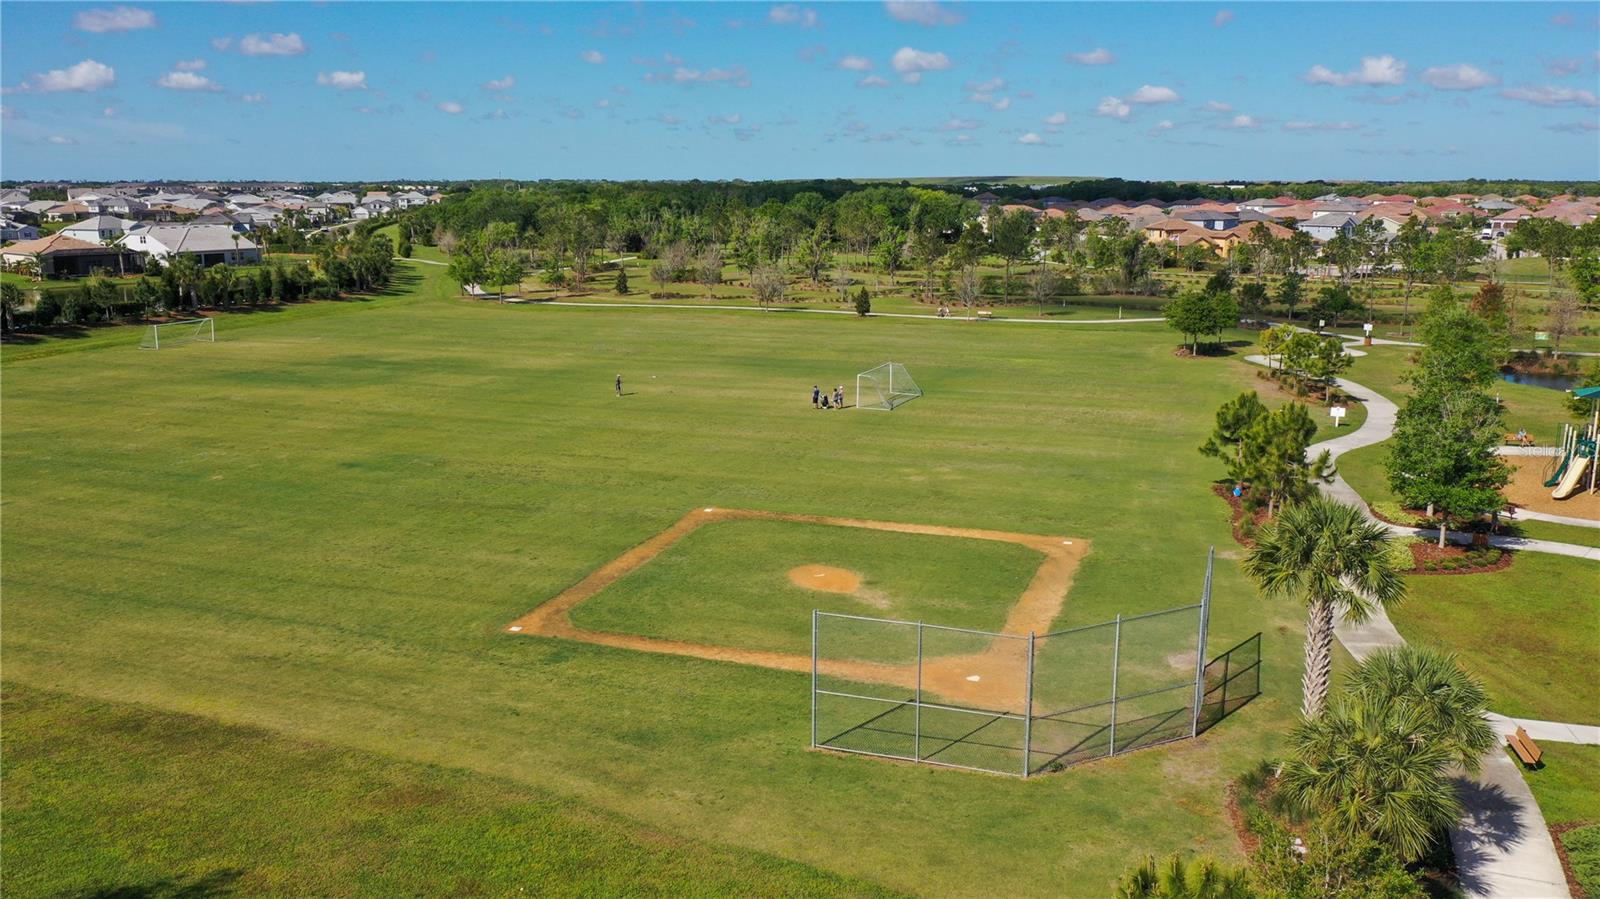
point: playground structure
(1574, 468)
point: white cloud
(84, 76)
(121, 18)
(500, 84)
(221, 44)
(986, 87)
(345, 81)
(189, 65)
(1458, 78)
(873, 81)
(450, 107)
(730, 119)
(911, 63)
(272, 44)
(1223, 17)
(592, 57)
(1306, 125)
(855, 63)
(922, 12)
(1163, 125)
(1112, 108)
(1580, 127)
(60, 140)
(1561, 68)
(792, 14)
(1374, 70)
(960, 125)
(738, 75)
(254, 98)
(1242, 122)
(1056, 118)
(1550, 95)
(960, 139)
(1154, 93)
(1218, 106)
(1002, 104)
(187, 81)
(7, 113)
(1030, 138)
(666, 119)
(1099, 56)
(110, 112)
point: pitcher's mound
(825, 578)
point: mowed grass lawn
(727, 584)
(114, 799)
(319, 527)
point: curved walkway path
(1502, 845)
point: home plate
(974, 678)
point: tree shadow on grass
(222, 882)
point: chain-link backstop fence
(1020, 704)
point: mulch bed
(1238, 512)
(1423, 553)
(1556, 830)
(1247, 837)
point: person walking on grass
(619, 385)
(816, 397)
(838, 397)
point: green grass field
(726, 584)
(310, 534)
(319, 527)
(114, 799)
(1567, 787)
(1523, 631)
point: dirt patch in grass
(989, 678)
(826, 578)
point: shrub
(48, 309)
(1583, 852)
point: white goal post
(171, 334)
(885, 387)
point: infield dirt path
(994, 678)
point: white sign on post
(1367, 327)
(1338, 415)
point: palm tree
(1330, 557)
(1368, 766)
(1449, 702)
(1180, 878)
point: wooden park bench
(984, 313)
(1525, 748)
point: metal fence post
(813, 678)
(1116, 651)
(1027, 712)
(916, 710)
(1200, 646)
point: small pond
(1553, 382)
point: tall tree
(1233, 420)
(1337, 563)
(1011, 234)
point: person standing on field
(838, 397)
(619, 385)
(816, 397)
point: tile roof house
(61, 256)
(1503, 222)
(208, 244)
(100, 229)
(1210, 219)
(1328, 225)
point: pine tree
(622, 281)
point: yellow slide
(1574, 479)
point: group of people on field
(821, 399)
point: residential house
(339, 198)
(207, 244)
(1503, 222)
(1211, 219)
(71, 211)
(371, 209)
(410, 198)
(60, 256)
(101, 229)
(13, 230)
(985, 200)
(1328, 225)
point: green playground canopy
(1587, 393)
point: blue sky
(371, 90)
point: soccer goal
(885, 387)
(171, 334)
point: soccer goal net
(885, 387)
(171, 334)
